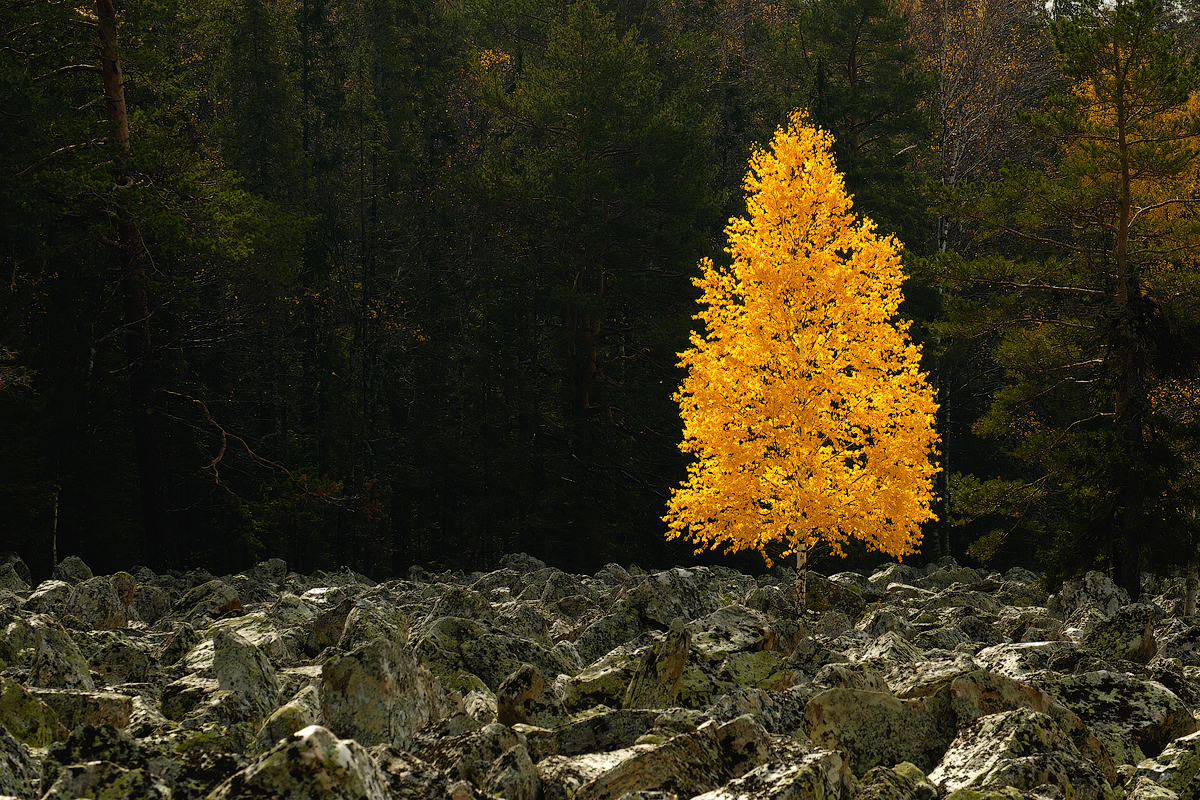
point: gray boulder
(379, 694)
(818, 775)
(877, 728)
(655, 683)
(312, 763)
(1023, 749)
(71, 570)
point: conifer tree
(804, 404)
(1092, 305)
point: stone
(18, 768)
(452, 645)
(1023, 749)
(72, 570)
(207, 602)
(298, 713)
(1133, 717)
(312, 763)
(47, 597)
(120, 661)
(74, 707)
(607, 680)
(243, 669)
(656, 681)
(407, 776)
(58, 663)
(876, 728)
(19, 567)
(1094, 589)
(1176, 766)
(1019, 659)
(1128, 634)
(904, 781)
(379, 694)
(92, 743)
(30, 720)
(151, 603)
(513, 776)
(11, 580)
(96, 604)
(523, 699)
(818, 775)
(103, 780)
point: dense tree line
(383, 282)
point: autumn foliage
(804, 403)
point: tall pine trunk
(161, 547)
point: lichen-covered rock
(688, 764)
(819, 775)
(25, 716)
(49, 596)
(1093, 589)
(823, 594)
(1176, 766)
(889, 650)
(464, 603)
(312, 763)
(655, 683)
(204, 603)
(452, 645)
(876, 728)
(105, 780)
(11, 580)
(72, 570)
(1142, 788)
(298, 713)
(1128, 634)
(58, 663)
(92, 743)
(606, 681)
(469, 756)
(18, 565)
(1023, 749)
(151, 603)
(118, 660)
(888, 574)
(379, 694)
(904, 781)
(96, 604)
(513, 776)
(1134, 718)
(523, 698)
(1017, 660)
(244, 670)
(257, 629)
(408, 777)
(74, 707)
(18, 768)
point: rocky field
(528, 683)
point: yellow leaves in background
(804, 403)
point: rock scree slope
(527, 683)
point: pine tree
(804, 402)
(1091, 307)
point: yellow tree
(804, 403)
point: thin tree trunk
(802, 579)
(1192, 585)
(131, 252)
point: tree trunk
(1191, 585)
(161, 546)
(801, 586)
